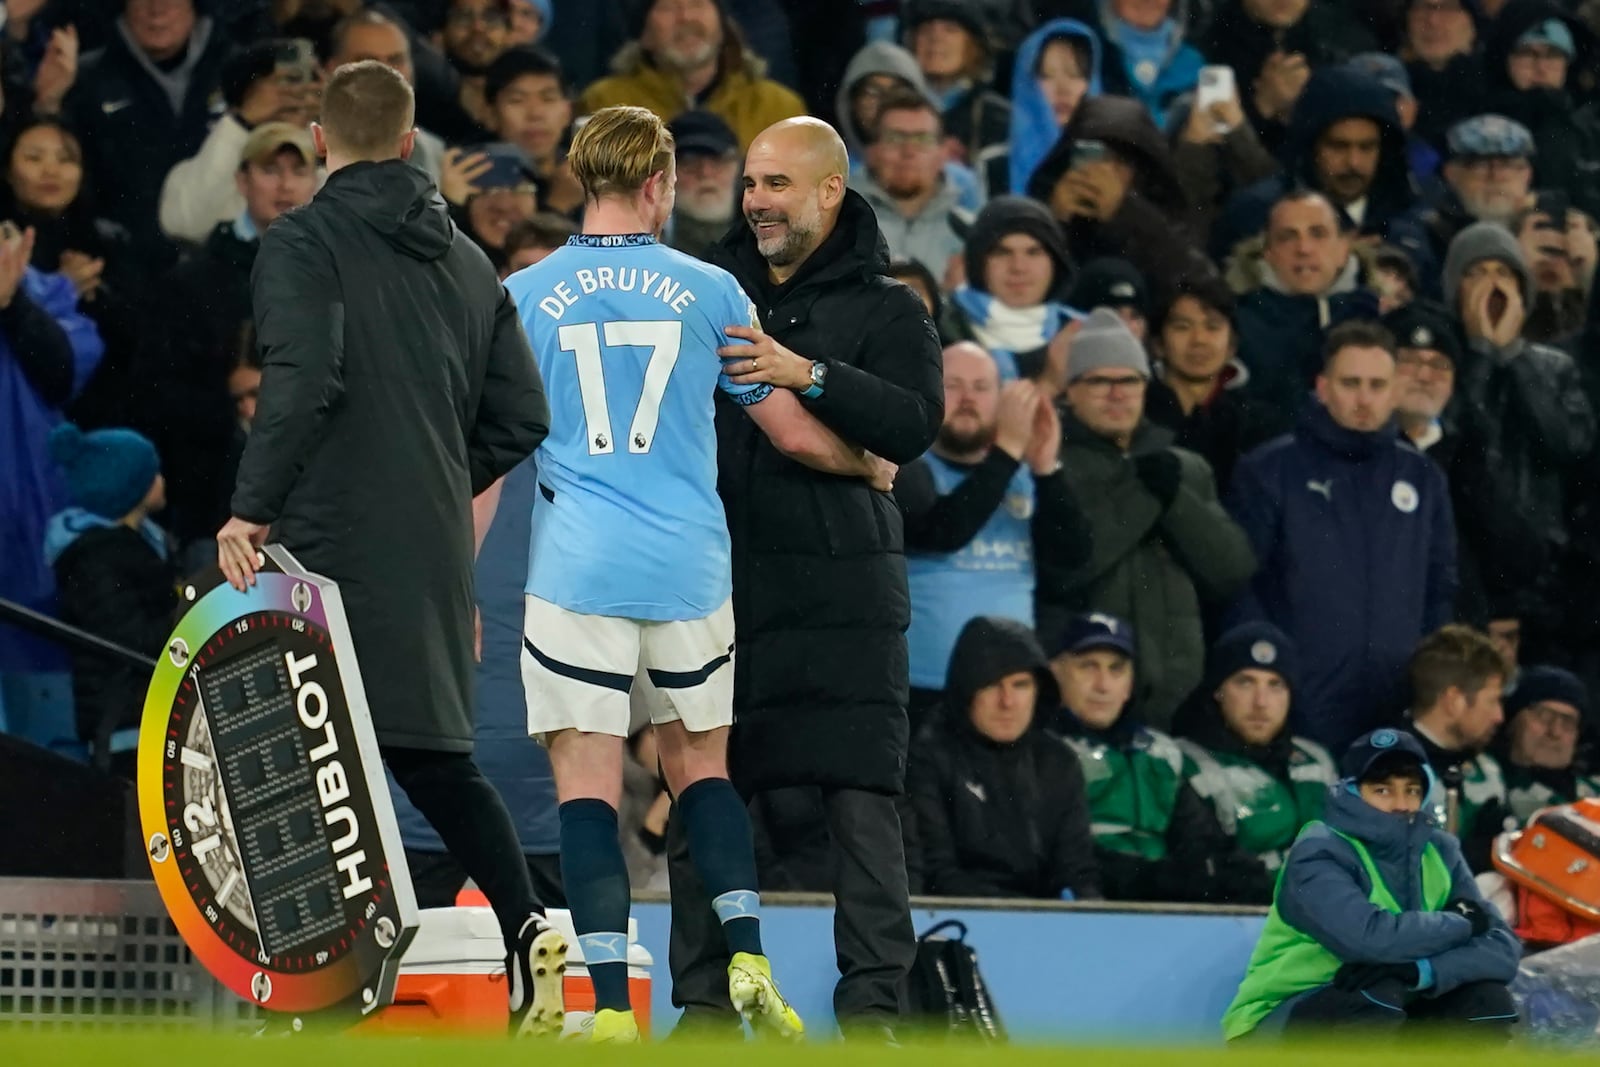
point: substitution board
(265, 810)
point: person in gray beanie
(1526, 422)
(1163, 546)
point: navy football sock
(719, 843)
(596, 878)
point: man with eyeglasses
(1529, 53)
(1427, 352)
(918, 209)
(1163, 545)
(1357, 546)
(1488, 177)
(1544, 719)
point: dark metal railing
(55, 630)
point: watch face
(265, 812)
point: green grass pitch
(188, 1049)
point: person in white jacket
(200, 191)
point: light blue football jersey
(627, 522)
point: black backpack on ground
(945, 991)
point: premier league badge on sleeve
(264, 805)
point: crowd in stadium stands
(1271, 379)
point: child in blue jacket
(1377, 921)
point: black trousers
(872, 933)
(1485, 1007)
(472, 821)
(436, 878)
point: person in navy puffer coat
(1356, 538)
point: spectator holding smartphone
(1558, 243)
(1111, 182)
(273, 81)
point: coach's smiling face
(792, 189)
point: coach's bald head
(794, 184)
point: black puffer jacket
(819, 573)
(397, 384)
(999, 820)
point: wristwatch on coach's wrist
(819, 380)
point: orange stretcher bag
(1554, 866)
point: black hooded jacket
(1392, 211)
(993, 819)
(1567, 136)
(819, 575)
(397, 385)
(1326, 34)
(1149, 228)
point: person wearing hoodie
(1273, 46)
(1057, 69)
(1147, 56)
(950, 41)
(116, 577)
(1016, 269)
(691, 55)
(1162, 546)
(1538, 749)
(1377, 921)
(396, 372)
(1155, 839)
(1532, 55)
(1345, 141)
(1262, 782)
(917, 206)
(1200, 390)
(999, 803)
(878, 71)
(1122, 198)
(1444, 63)
(1308, 280)
(1355, 535)
(1526, 423)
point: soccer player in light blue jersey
(630, 582)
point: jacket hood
(1389, 837)
(66, 527)
(1480, 241)
(1033, 124)
(1318, 426)
(1515, 19)
(397, 200)
(879, 57)
(988, 649)
(855, 247)
(1125, 125)
(1336, 93)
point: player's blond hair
(618, 149)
